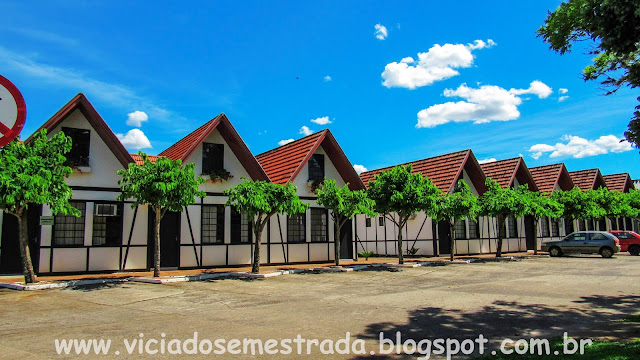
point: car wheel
(606, 252)
(634, 250)
(555, 251)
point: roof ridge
(411, 162)
(282, 147)
(192, 132)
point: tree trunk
(535, 235)
(400, 253)
(452, 231)
(257, 234)
(500, 220)
(156, 243)
(25, 254)
(336, 236)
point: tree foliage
(576, 204)
(501, 202)
(166, 185)
(33, 173)
(614, 27)
(455, 206)
(260, 200)
(538, 206)
(343, 203)
(398, 194)
(632, 199)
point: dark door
(10, 261)
(529, 228)
(444, 238)
(346, 241)
(169, 239)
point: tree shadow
(99, 286)
(592, 316)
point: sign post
(13, 111)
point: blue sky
(272, 67)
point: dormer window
(316, 167)
(212, 158)
(80, 141)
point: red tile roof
(548, 176)
(620, 182)
(589, 179)
(284, 163)
(80, 102)
(184, 148)
(138, 159)
(443, 170)
(502, 171)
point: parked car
(629, 241)
(584, 242)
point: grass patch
(600, 350)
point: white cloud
(304, 130)
(321, 120)
(484, 161)
(134, 139)
(359, 168)
(563, 98)
(112, 94)
(327, 78)
(285, 142)
(578, 147)
(484, 104)
(563, 90)
(438, 63)
(381, 32)
(136, 118)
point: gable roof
(284, 163)
(547, 177)
(443, 170)
(80, 102)
(620, 182)
(184, 148)
(506, 171)
(590, 179)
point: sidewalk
(264, 269)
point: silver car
(584, 242)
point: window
(212, 226)
(68, 230)
(624, 235)
(319, 225)
(577, 237)
(296, 228)
(381, 221)
(590, 224)
(599, 237)
(316, 167)
(513, 227)
(107, 224)
(80, 139)
(602, 225)
(240, 228)
(582, 225)
(544, 226)
(367, 222)
(474, 229)
(461, 229)
(628, 223)
(212, 158)
(555, 227)
(620, 223)
(568, 226)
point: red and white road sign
(13, 111)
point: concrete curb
(248, 275)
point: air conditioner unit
(105, 210)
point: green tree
(401, 193)
(456, 206)
(576, 204)
(499, 203)
(343, 204)
(614, 27)
(607, 204)
(540, 206)
(260, 200)
(166, 185)
(33, 173)
(632, 199)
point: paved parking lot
(534, 297)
